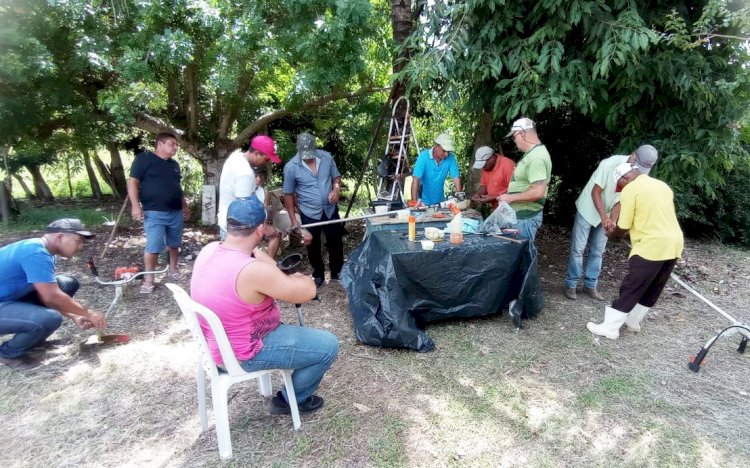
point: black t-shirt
(160, 182)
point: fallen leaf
(362, 408)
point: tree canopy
(212, 72)
(674, 74)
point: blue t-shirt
(23, 263)
(432, 175)
(312, 190)
(160, 182)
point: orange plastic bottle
(412, 228)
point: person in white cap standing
(597, 209)
(527, 191)
(432, 168)
(647, 212)
(497, 170)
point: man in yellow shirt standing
(647, 212)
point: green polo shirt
(534, 166)
(603, 177)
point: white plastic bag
(503, 217)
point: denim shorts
(163, 228)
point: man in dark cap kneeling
(240, 284)
(32, 298)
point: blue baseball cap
(245, 213)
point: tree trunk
(104, 172)
(483, 137)
(117, 171)
(96, 190)
(4, 203)
(67, 176)
(29, 194)
(41, 188)
(402, 23)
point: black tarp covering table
(395, 287)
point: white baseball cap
(446, 141)
(521, 125)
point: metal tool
(289, 265)
(126, 278)
(694, 363)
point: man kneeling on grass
(32, 298)
(241, 283)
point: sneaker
(280, 406)
(570, 293)
(24, 362)
(318, 282)
(593, 293)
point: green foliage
(676, 76)
(36, 218)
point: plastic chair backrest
(191, 310)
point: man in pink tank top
(241, 283)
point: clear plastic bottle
(412, 228)
(456, 225)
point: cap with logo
(645, 158)
(521, 125)
(481, 156)
(267, 146)
(245, 213)
(306, 147)
(69, 225)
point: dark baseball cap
(69, 225)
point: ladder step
(398, 137)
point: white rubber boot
(610, 328)
(633, 322)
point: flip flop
(177, 276)
(147, 288)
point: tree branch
(264, 120)
(234, 109)
(155, 125)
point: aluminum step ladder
(394, 166)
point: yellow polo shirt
(647, 211)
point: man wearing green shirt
(528, 186)
(597, 210)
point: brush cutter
(123, 277)
(694, 363)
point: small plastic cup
(427, 244)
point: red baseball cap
(267, 146)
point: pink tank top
(213, 285)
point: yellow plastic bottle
(412, 228)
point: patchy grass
(548, 396)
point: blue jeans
(583, 233)
(308, 351)
(29, 320)
(163, 229)
(527, 229)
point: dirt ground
(549, 395)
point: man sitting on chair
(240, 284)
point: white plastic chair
(221, 381)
